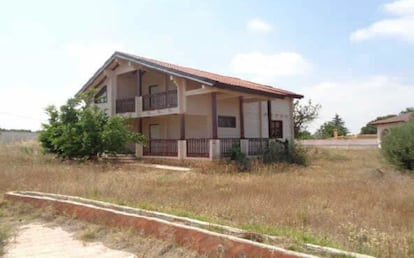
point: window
(276, 129)
(227, 121)
(101, 96)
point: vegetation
(336, 198)
(284, 152)
(303, 115)
(81, 130)
(327, 129)
(398, 146)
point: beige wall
(229, 107)
(281, 110)
(127, 86)
(197, 127)
(169, 126)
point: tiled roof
(211, 79)
(396, 119)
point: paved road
(37, 240)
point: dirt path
(38, 240)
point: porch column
(241, 113)
(269, 117)
(139, 83)
(182, 126)
(139, 148)
(214, 114)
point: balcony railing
(160, 100)
(161, 147)
(125, 105)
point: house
(384, 125)
(188, 113)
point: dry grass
(346, 198)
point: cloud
(265, 68)
(358, 101)
(400, 27)
(258, 25)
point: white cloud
(265, 68)
(258, 25)
(358, 101)
(400, 27)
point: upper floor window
(101, 96)
(227, 121)
(276, 129)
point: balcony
(160, 100)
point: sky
(353, 57)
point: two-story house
(188, 113)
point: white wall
(127, 86)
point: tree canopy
(327, 129)
(81, 130)
(303, 115)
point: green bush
(83, 131)
(284, 152)
(240, 158)
(398, 146)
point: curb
(200, 240)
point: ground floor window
(276, 129)
(227, 121)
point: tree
(398, 146)
(81, 130)
(327, 129)
(303, 115)
(407, 110)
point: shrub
(80, 130)
(284, 152)
(398, 146)
(240, 158)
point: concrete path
(37, 240)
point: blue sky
(355, 58)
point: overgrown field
(350, 199)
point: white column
(244, 146)
(182, 149)
(214, 149)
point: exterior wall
(169, 126)
(108, 105)
(255, 119)
(199, 105)
(197, 127)
(126, 86)
(229, 107)
(282, 110)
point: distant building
(384, 125)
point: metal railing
(161, 147)
(160, 100)
(226, 144)
(257, 146)
(125, 105)
(198, 147)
